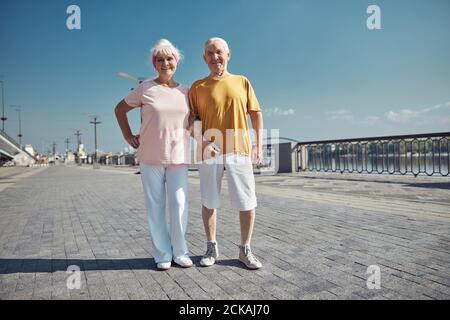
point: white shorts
(241, 182)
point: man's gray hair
(224, 43)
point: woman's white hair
(164, 46)
(224, 43)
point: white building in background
(29, 148)
(70, 157)
(25, 157)
(81, 153)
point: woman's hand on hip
(133, 141)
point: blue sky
(318, 71)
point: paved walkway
(316, 235)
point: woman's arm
(121, 114)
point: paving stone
(315, 241)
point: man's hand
(133, 141)
(257, 156)
(209, 150)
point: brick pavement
(315, 234)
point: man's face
(216, 57)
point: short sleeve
(252, 101)
(134, 98)
(193, 102)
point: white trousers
(166, 184)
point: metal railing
(408, 154)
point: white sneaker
(248, 258)
(164, 265)
(183, 261)
(212, 253)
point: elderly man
(222, 102)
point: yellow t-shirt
(223, 105)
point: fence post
(303, 157)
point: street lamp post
(54, 152)
(66, 156)
(95, 123)
(45, 147)
(3, 118)
(18, 108)
(78, 134)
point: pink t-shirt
(164, 138)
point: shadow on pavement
(36, 265)
(52, 265)
(431, 185)
(220, 262)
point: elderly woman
(163, 152)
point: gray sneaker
(212, 253)
(248, 258)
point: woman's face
(166, 65)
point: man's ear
(204, 58)
(229, 55)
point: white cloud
(402, 116)
(278, 112)
(338, 112)
(437, 114)
(420, 116)
(341, 114)
(370, 120)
